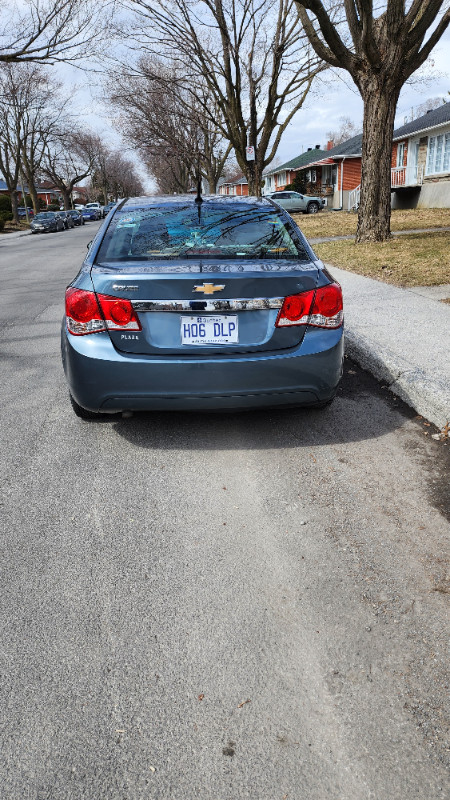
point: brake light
(87, 312)
(321, 308)
(328, 309)
(295, 310)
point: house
(341, 170)
(421, 161)
(420, 167)
(238, 187)
(46, 193)
(278, 178)
(420, 164)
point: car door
(297, 202)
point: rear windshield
(176, 231)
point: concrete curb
(428, 395)
(10, 237)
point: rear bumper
(101, 378)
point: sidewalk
(9, 237)
(401, 336)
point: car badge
(209, 288)
(125, 287)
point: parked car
(108, 207)
(77, 216)
(218, 305)
(89, 213)
(97, 208)
(79, 206)
(294, 201)
(46, 222)
(66, 218)
(21, 213)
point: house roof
(237, 182)
(438, 116)
(303, 160)
(352, 147)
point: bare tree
(69, 158)
(29, 109)
(165, 122)
(53, 30)
(380, 53)
(346, 130)
(114, 176)
(251, 56)
(10, 137)
(429, 105)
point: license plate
(209, 330)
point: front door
(413, 160)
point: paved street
(213, 606)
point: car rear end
(218, 305)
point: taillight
(328, 309)
(295, 309)
(321, 308)
(87, 312)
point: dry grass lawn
(340, 223)
(408, 260)
(12, 226)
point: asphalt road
(207, 606)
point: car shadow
(362, 410)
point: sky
(327, 103)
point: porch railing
(406, 176)
(353, 198)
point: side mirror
(89, 245)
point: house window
(400, 154)
(438, 159)
(282, 179)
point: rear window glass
(175, 231)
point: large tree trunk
(66, 193)
(14, 205)
(32, 192)
(374, 213)
(253, 176)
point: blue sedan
(89, 213)
(218, 304)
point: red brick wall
(352, 174)
(394, 154)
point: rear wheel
(83, 413)
(312, 208)
(322, 403)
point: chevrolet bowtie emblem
(209, 288)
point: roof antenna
(199, 198)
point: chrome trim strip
(193, 306)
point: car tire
(83, 413)
(322, 403)
(312, 208)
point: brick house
(420, 167)
(420, 164)
(237, 188)
(421, 161)
(277, 178)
